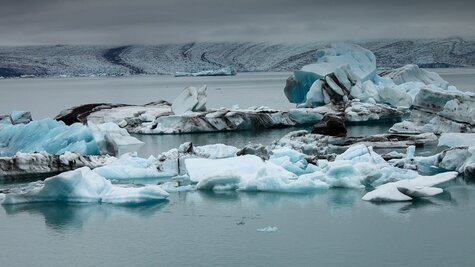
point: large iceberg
(352, 60)
(345, 72)
(84, 185)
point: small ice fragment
(268, 229)
(411, 150)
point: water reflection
(67, 216)
(236, 204)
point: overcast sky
(24, 22)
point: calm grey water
(48, 96)
(330, 228)
(333, 228)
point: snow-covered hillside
(82, 60)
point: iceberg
(46, 135)
(268, 229)
(226, 71)
(84, 185)
(408, 189)
(215, 151)
(20, 117)
(113, 140)
(460, 159)
(247, 173)
(54, 137)
(457, 139)
(291, 160)
(243, 166)
(412, 73)
(350, 62)
(287, 171)
(5, 119)
(130, 166)
(440, 111)
(324, 146)
(28, 165)
(190, 99)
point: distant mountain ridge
(88, 60)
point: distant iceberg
(226, 71)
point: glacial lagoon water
(328, 228)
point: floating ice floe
(46, 135)
(130, 166)
(84, 185)
(408, 189)
(460, 159)
(28, 165)
(226, 71)
(440, 111)
(248, 173)
(54, 137)
(287, 171)
(268, 229)
(323, 146)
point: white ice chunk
(215, 151)
(113, 140)
(419, 186)
(410, 152)
(84, 185)
(243, 166)
(358, 60)
(247, 173)
(268, 229)
(18, 117)
(226, 71)
(412, 73)
(129, 166)
(190, 99)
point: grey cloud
(166, 21)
